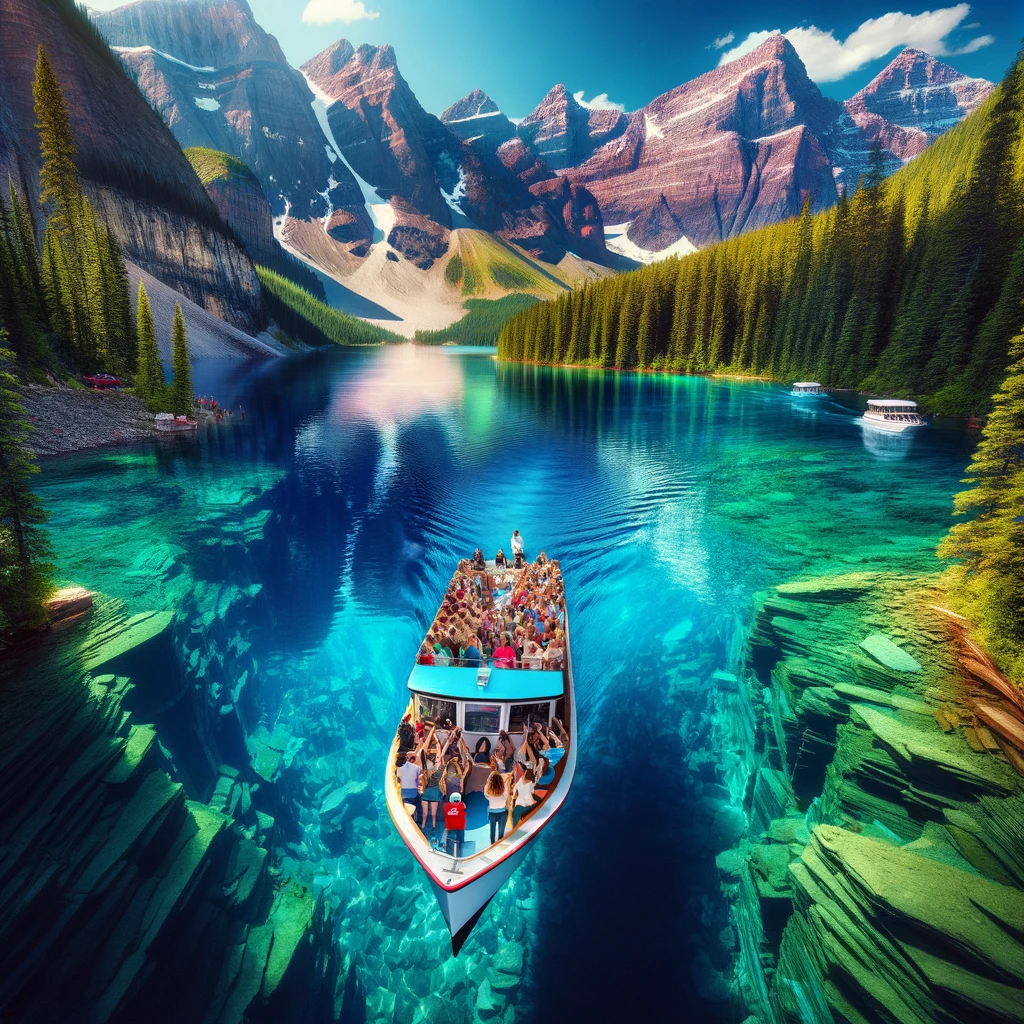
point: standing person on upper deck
(518, 555)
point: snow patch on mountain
(616, 240)
(160, 53)
(378, 208)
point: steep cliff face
(131, 166)
(565, 133)
(737, 148)
(239, 199)
(221, 82)
(912, 101)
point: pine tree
(989, 581)
(25, 572)
(149, 373)
(60, 192)
(182, 399)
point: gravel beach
(73, 419)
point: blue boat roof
(505, 684)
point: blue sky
(632, 50)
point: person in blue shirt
(471, 655)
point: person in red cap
(455, 823)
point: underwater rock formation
(883, 875)
(108, 871)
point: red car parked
(100, 381)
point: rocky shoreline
(880, 876)
(68, 419)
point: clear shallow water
(355, 481)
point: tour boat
(893, 414)
(168, 422)
(806, 387)
(481, 700)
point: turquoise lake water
(342, 501)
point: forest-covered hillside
(912, 286)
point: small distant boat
(892, 414)
(806, 387)
(481, 699)
(167, 422)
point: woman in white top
(524, 797)
(496, 792)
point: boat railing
(489, 661)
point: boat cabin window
(435, 707)
(482, 718)
(520, 716)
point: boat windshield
(500, 615)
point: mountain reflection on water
(671, 502)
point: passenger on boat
(478, 560)
(433, 771)
(454, 778)
(455, 825)
(517, 548)
(454, 746)
(505, 655)
(545, 776)
(533, 655)
(472, 656)
(406, 735)
(426, 655)
(496, 792)
(554, 654)
(409, 775)
(542, 558)
(482, 754)
(499, 559)
(524, 798)
(504, 753)
(442, 656)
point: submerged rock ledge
(882, 876)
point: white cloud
(599, 102)
(323, 12)
(827, 59)
(721, 41)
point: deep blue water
(671, 502)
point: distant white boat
(892, 414)
(807, 387)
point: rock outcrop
(239, 198)
(221, 82)
(132, 168)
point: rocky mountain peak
(475, 104)
(564, 132)
(203, 33)
(476, 119)
(912, 100)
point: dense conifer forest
(482, 323)
(313, 322)
(910, 287)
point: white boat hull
(462, 906)
(892, 426)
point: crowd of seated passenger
(434, 766)
(506, 619)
